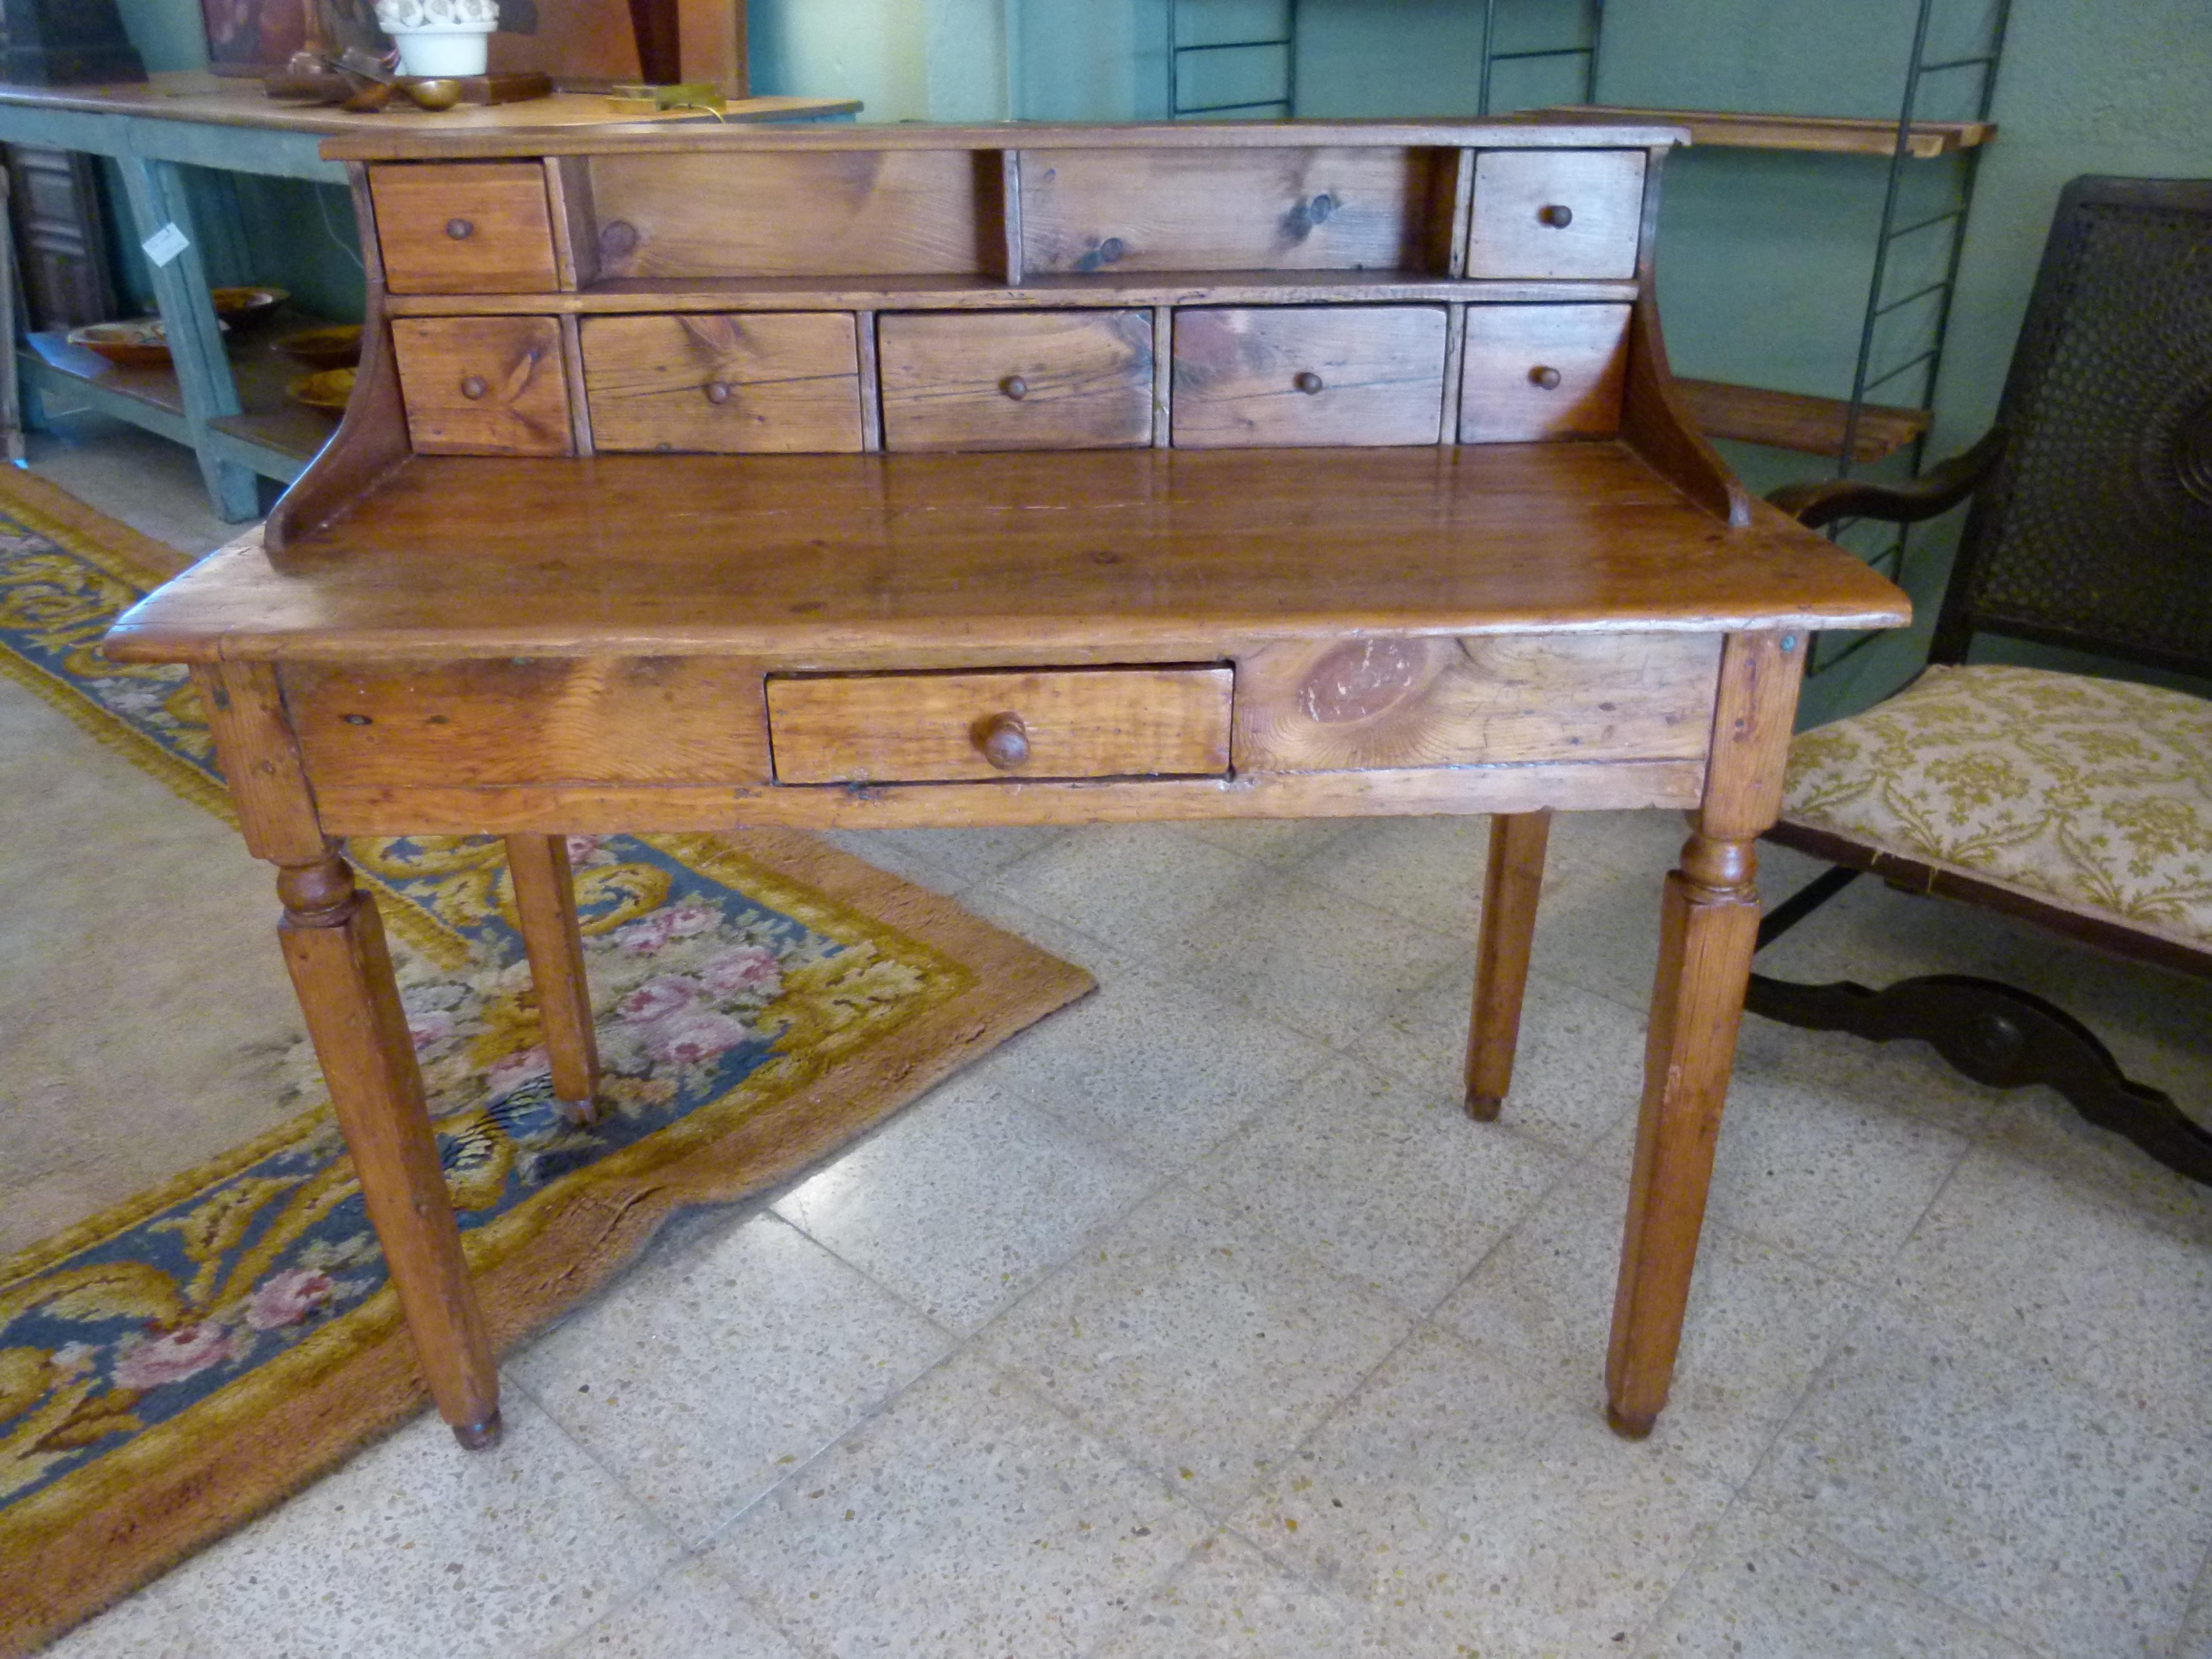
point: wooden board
(837, 212)
(1080, 723)
(1536, 214)
(1832, 135)
(1796, 420)
(1319, 208)
(731, 385)
(1309, 375)
(485, 386)
(1036, 380)
(638, 720)
(1346, 706)
(469, 227)
(1535, 371)
(853, 561)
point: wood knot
(1359, 680)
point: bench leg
(1509, 892)
(545, 899)
(333, 943)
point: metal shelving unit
(1196, 56)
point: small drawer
(464, 227)
(1556, 213)
(1036, 380)
(1309, 375)
(1534, 372)
(1015, 723)
(779, 383)
(484, 386)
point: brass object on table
(641, 98)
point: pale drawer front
(1534, 372)
(484, 386)
(464, 227)
(1014, 723)
(1556, 213)
(533, 720)
(1355, 706)
(1038, 379)
(780, 383)
(1307, 374)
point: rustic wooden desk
(700, 480)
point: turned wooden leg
(333, 944)
(1510, 892)
(1709, 928)
(545, 899)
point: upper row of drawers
(530, 228)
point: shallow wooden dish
(336, 347)
(248, 307)
(327, 391)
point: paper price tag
(164, 244)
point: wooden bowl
(243, 308)
(327, 391)
(336, 347)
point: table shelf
(1798, 421)
(1831, 135)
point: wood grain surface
(552, 721)
(919, 561)
(485, 386)
(1351, 704)
(1043, 380)
(1328, 375)
(1518, 196)
(836, 213)
(1528, 373)
(781, 383)
(1080, 723)
(1281, 209)
(506, 243)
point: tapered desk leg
(1509, 892)
(545, 899)
(334, 946)
(1709, 926)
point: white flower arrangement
(401, 16)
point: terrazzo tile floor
(1199, 1320)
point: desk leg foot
(1510, 892)
(1629, 1428)
(480, 1437)
(333, 943)
(545, 899)
(1709, 926)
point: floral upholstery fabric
(2089, 792)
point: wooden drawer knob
(1558, 215)
(1307, 381)
(1005, 741)
(473, 385)
(1017, 388)
(1545, 377)
(717, 392)
(460, 229)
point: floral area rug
(172, 1367)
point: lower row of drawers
(795, 382)
(1287, 707)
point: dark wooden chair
(2081, 802)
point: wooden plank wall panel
(1227, 210)
(834, 213)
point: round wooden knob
(1005, 741)
(1545, 377)
(1017, 388)
(717, 392)
(459, 229)
(1307, 381)
(1557, 215)
(473, 385)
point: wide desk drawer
(1349, 375)
(1036, 380)
(777, 383)
(960, 727)
(464, 227)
